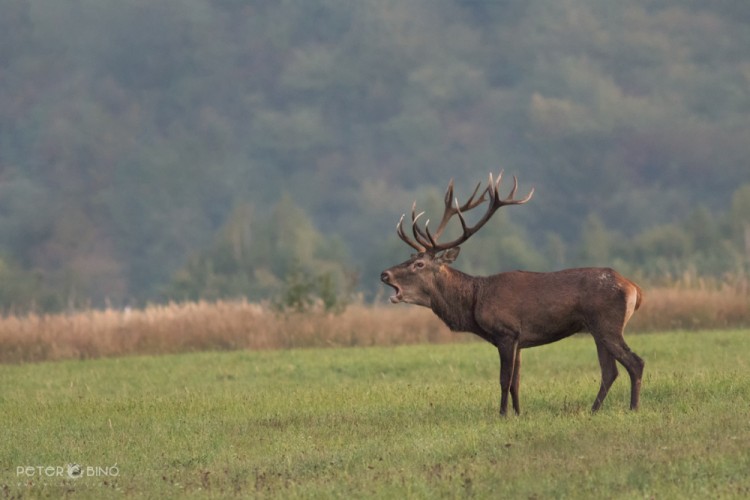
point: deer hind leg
(636, 375)
(609, 374)
(631, 361)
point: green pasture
(416, 421)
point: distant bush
(304, 290)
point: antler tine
(528, 197)
(494, 186)
(509, 200)
(415, 218)
(433, 239)
(515, 186)
(447, 212)
(414, 214)
(419, 235)
(470, 203)
(406, 239)
(449, 193)
(450, 210)
(460, 216)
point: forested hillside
(179, 149)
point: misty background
(155, 150)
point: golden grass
(199, 326)
(693, 308)
(228, 325)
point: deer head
(415, 280)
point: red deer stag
(518, 309)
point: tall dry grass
(174, 328)
(224, 325)
(693, 308)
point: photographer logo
(69, 471)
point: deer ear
(449, 255)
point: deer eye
(419, 264)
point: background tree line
(157, 149)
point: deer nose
(385, 276)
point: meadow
(416, 421)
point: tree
(279, 254)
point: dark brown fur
(515, 310)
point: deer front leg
(508, 350)
(516, 381)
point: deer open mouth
(398, 297)
(387, 278)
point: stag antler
(424, 240)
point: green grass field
(416, 421)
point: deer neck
(454, 298)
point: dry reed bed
(174, 328)
(698, 308)
(225, 325)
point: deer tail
(639, 296)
